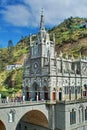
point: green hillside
(11, 81)
(71, 38)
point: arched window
(81, 114)
(86, 113)
(72, 117)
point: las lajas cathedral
(62, 80)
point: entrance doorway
(60, 96)
(27, 96)
(27, 93)
(54, 95)
(45, 93)
(37, 95)
(36, 91)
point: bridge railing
(4, 102)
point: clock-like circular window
(35, 65)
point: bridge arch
(34, 117)
(2, 126)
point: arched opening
(60, 94)
(2, 126)
(81, 113)
(27, 93)
(35, 91)
(45, 93)
(54, 94)
(33, 119)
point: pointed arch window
(72, 117)
(86, 113)
(81, 114)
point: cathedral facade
(52, 78)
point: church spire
(42, 21)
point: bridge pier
(52, 117)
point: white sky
(21, 17)
(27, 12)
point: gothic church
(56, 79)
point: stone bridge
(14, 114)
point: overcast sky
(22, 17)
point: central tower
(41, 59)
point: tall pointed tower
(37, 74)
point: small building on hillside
(83, 25)
(14, 66)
